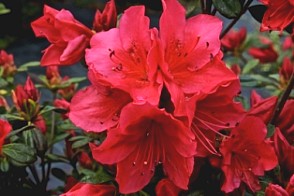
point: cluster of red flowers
(165, 99)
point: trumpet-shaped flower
(147, 136)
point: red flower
(67, 36)
(262, 108)
(97, 108)
(290, 186)
(236, 69)
(22, 95)
(52, 75)
(246, 155)
(234, 39)
(275, 190)
(189, 60)
(284, 138)
(212, 116)
(279, 14)
(63, 104)
(91, 189)
(85, 160)
(286, 71)
(7, 64)
(166, 187)
(107, 19)
(265, 54)
(147, 136)
(5, 128)
(125, 59)
(3, 103)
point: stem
(208, 6)
(236, 19)
(202, 6)
(52, 133)
(34, 172)
(282, 101)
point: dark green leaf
(80, 143)
(4, 165)
(39, 141)
(95, 177)
(60, 137)
(228, 8)
(59, 173)
(57, 158)
(257, 11)
(19, 153)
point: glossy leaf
(228, 8)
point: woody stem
(236, 19)
(283, 100)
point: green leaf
(95, 177)
(77, 79)
(25, 66)
(4, 165)
(60, 137)
(270, 130)
(228, 8)
(57, 158)
(250, 65)
(19, 154)
(80, 143)
(257, 11)
(3, 9)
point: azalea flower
(290, 186)
(7, 64)
(90, 189)
(166, 187)
(125, 59)
(68, 37)
(266, 53)
(97, 108)
(234, 39)
(274, 189)
(5, 128)
(286, 71)
(190, 60)
(107, 19)
(212, 116)
(284, 137)
(279, 14)
(246, 155)
(146, 137)
(25, 99)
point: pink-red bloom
(97, 108)
(286, 71)
(107, 19)
(189, 59)
(7, 64)
(279, 14)
(275, 190)
(284, 138)
(91, 189)
(5, 128)
(25, 99)
(166, 187)
(125, 60)
(68, 37)
(246, 155)
(265, 54)
(217, 111)
(147, 136)
(234, 39)
(62, 104)
(290, 186)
